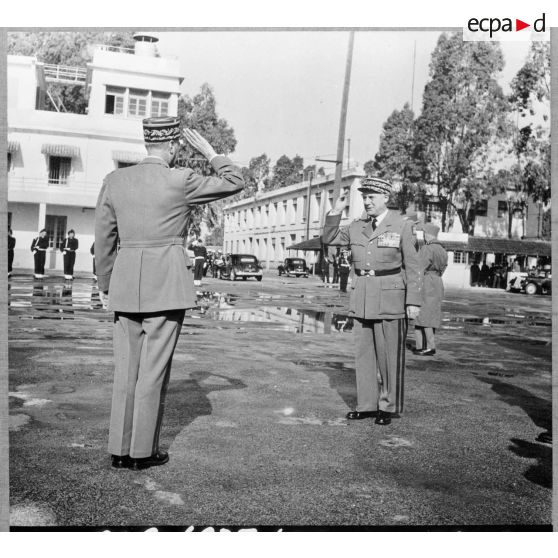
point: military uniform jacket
(70, 244)
(140, 224)
(390, 246)
(11, 242)
(40, 243)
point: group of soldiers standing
(40, 246)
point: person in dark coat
(386, 292)
(475, 274)
(39, 247)
(344, 270)
(484, 274)
(68, 249)
(92, 252)
(434, 261)
(11, 247)
(200, 255)
(144, 275)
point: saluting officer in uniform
(386, 291)
(39, 247)
(68, 249)
(148, 279)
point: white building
(266, 224)
(57, 160)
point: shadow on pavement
(541, 473)
(342, 380)
(539, 410)
(187, 400)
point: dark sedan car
(537, 284)
(293, 266)
(241, 266)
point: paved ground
(254, 423)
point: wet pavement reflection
(295, 312)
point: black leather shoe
(159, 458)
(383, 418)
(418, 351)
(427, 352)
(358, 415)
(121, 461)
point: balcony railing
(65, 74)
(39, 189)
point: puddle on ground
(286, 318)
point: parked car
(537, 284)
(241, 266)
(293, 266)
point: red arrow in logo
(519, 25)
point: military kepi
(373, 185)
(160, 129)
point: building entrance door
(56, 230)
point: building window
(159, 104)
(56, 230)
(59, 169)
(318, 202)
(481, 208)
(137, 103)
(502, 209)
(123, 165)
(459, 257)
(295, 207)
(114, 100)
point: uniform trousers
(198, 269)
(144, 344)
(69, 262)
(10, 260)
(380, 364)
(343, 279)
(40, 259)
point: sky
(281, 90)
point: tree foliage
(65, 49)
(200, 113)
(396, 159)
(286, 172)
(464, 112)
(530, 145)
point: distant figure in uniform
(475, 274)
(200, 254)
(433, 260)
(39, 247)
(147, 282)
(335, 265)
(484, 274)
(11, 247)
(418, 237)
(386, 292)
(344, 270)
(92, 252)
(68, 249)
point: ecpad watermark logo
(535, 28)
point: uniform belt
(152, 242)
(377, 272)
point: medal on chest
(389, 240)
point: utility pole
(343, 118)
(348, 153)
(413, 82)
(308, 194)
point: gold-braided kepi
(373, 185)
(159, 129)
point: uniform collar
(153, 160)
